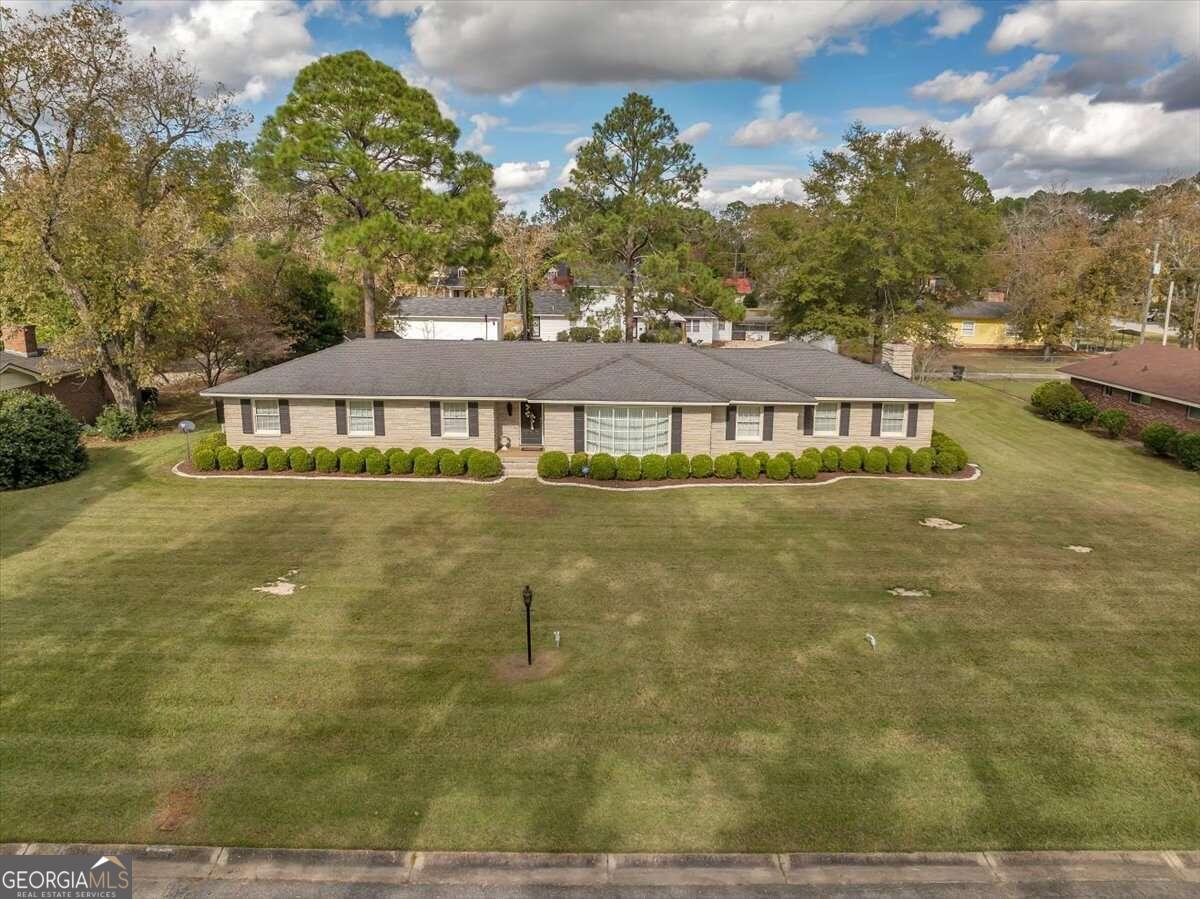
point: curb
(343, 479)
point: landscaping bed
(189, 470)
(969, 473)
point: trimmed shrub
(806, 467)
(484, 464)
(425, 465)
(629, 468)
(831, 458)
(603, 467)
(418, 451)
(350, 462)
(553, 465)
(577, 463)
(39, 441)
(1054, 398)
(399, 462)
(213, 440)
(750, 468)
(252, 459)
(277, 460)
(739, 455)
(763, 458)
(324, 460)
(791, 457)
(451, 465)
(921, 461)
(465, 456)
(1157, 437)
(369, 451)
(812, 453)
(945, 462)
(116, 423)
(1187, 451)
(1082, 413)
(654, 467)
(1114, 422)
(228, 459)
(943, 443)
(267, 450)
(376, 463)
(779, 468)
(702, 465)
(318, 449)
(851, 460)
(898, 459)
(876, 461)
(861, 450)
(204, 459)
(725, 466)
(342, 450)
(677, 466)
(299, 459)
(391, 451)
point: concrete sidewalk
(217, 871)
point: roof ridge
(674, 376)
(753, 374)
(603, 363)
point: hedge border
(218, 475)
(695, 483)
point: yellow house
(982, 323)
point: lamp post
(527, 595)
(187, 427)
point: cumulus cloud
(573, 146)
(385, 9)
(750, 184)
(956, 87)
(477, 140)
(772, 127)
(696, 132)
(519, 184)
(955, 19)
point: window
(362, 418)
(1108, 391)
(968, 329)
(749, 423)
(693, 326)
(628, 429)
(892, 422)
(1193, 413)
(825, 419)
(1139, 399)
(454, 420)
(266, 416)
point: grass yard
(715, 689)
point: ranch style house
(613, 398)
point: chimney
(21, 339)
(899, 357)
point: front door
(531, 424)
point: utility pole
(1196, 320)
(1167, 314)
(1149, 293)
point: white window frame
(968, 328)
(883, 417)
(755, 416)
(833, 430)
(360, 432)
(1193, 413)
(457, 406)
(612, 429)
(258, 428)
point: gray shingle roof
(43, 365)
(447, 307)
(553, 302)
(980, 309)
(565, 372)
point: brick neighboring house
(1149, 382)
(25, 366)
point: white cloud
(955, 87)
(385, 9)
(477, 140)
(652, 40)
(696, 132)
(772, 127)
(519, 184)
(573, 146)
(758, 192)
(564, 176)
(439, 88)
(1093, 27)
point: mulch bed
(189, 468)
(965, 475)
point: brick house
(26, 366)
(1149, 382)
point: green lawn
(717, 690)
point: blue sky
(1098, 93)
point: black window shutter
(876, 418)
(579, 429)
(377, 408)
(220, 404)
(768, 428)
(809, 411)
(677, 429)
(435, 418)
(912, 419)
(472, 419)
(247, 417)
(730, 422)
(285, 417)
(339, 409)
(844, 423)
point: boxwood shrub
(779, 468)
(861, 450)
(376, 463)
(898, 459)
(763, 458)
(806, 467)
(629, 468)
(1187, 451)
(812, 453)
(654, 467)
(1114, 421)
(451, 464)
(399, 462)
(425, 465)
(831, 458)
(1082, 413)
(228, 459)
(921, 462)
(750, 468)
(943, 443)
(318, 449)
(418, 451)
(483, 465)
(369, 451)
(945, 462)
(553, 465)
(299, 459)
(204, 459)
(677, 466)
(725, 466)
(851, 460)
(577, 463)
(441, 452)
(1157, 437)
(876, 461)
(603, 467)
(213, 440)
(784, 454)
(1053, 399)
(342, 450)
(702, 465)
(252, 459)
(324, 460)
(465, 455)
(350, 462)
(277, 460)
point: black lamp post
(527, 595)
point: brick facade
(1174, 414)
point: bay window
(825, 419)
(454, 420)
(362, 418)
(266, 416)
(749, 423)
(892, 422)
(636, 430)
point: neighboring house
(1149, 382)
(590, 397)
(25, 366)
(553, 312)
(447, 318)
(983, 323)
(698, 325)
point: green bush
(943, 443)
(553, 465)
(418, 451)
(791, 457)
(577, 463)
(654, 467)
(702, 465)
(252, 459)
(204, 459)
(318, 449)
(945, 462)
(806, 467)
(851, 460)
(898, 459)
(876, 461)
(116, 423)
(299, 459)
(763, 458)
(831, 458)
(277, 460)
(228, 459)
(484, 465)
(391, 451)
(324, 460)
(921, 461)
(213, 440)
(425, 465)
(1187, 451)
(1082, 413)
(442, 452)
(1114, 422)
(376, 463)
(725, 466)
(342, 450)
(369, 451)
(350, 462)
(629, 468)
(465, 456)
(399, 462)
(603, 467)
(39, 441)
(677, 466)
(1053, 399)
(1157, 437)
(812, 453)
(739, 455)
(451, 465)
(750, 468)
(779, 468)
(861, 450)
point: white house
(447, 318)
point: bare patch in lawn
(515, 669)
(907, 591)
(1075, 548)
(942, 524)
(179, 806)
(282, 585)
(633, 619)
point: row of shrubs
(211, 454)
(944, 457)
(1062, 401)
